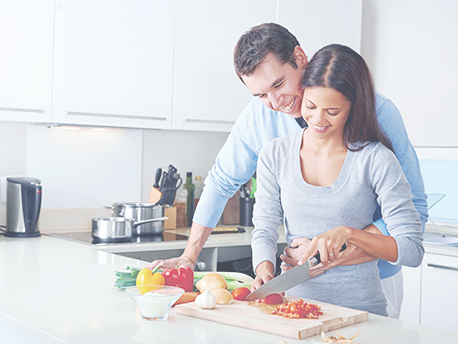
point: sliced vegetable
(298, 309)
(272, 299)
(147, 278)
(180, 277)
(240, 293)
(206, 300)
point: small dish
(155, 304)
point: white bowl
(155, 304)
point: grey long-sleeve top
(368, 177)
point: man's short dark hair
(255, 44)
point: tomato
(272, 299)
(240, 293)
(146, 278)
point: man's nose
(274, 100)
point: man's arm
(393, 126)
(352, 255)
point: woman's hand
(328, 244)
(264, 273)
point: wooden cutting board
(257, 316)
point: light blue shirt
(258, 125)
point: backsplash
(441, 176)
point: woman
(326, 181)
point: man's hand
(294, 252)
(172, 263)
(196, 241)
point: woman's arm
(404, 246)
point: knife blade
(288, 279)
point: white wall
(188, 151)
(86, 168)
(411, 48)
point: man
(270, 62)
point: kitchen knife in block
(154, 195)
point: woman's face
(326, 111)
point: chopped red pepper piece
(179, 277)
(298, 309)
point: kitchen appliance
(288, 279)
(117, 229)
(23, 205)
(258, 316)
(85, 237)
(141, 212)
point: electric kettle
(23, 204)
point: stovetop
(86, 237)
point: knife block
(171, 213)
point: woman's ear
(299, 57)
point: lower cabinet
(430, 293)
(439, 301)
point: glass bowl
(155, 304)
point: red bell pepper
(179, 277)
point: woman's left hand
(328, 244)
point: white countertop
(58, 291)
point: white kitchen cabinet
(113, 62)
(26, 57)
(439, 302)
(207, 93)
(319, 23)
(410, 310)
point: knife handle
(317, 259)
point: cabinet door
(319, 23)
(439, 302)
(114, 62)
(207, 93)
(26, 51)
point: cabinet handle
(77, 113)
(192, 120)
(22, 110)
(442, 267)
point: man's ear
(300, 57)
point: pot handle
(135, 224)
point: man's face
(279, 86)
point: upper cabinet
(26, 45)
(114, 63)
(207, 93)
(319, 23)
(158, 64)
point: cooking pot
(116, 229)
(140, 212)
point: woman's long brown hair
(343, 69)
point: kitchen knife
(288, 279)
(158, 178)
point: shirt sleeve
(398, 211)
(393, 126)
(268, 211)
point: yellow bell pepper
(146, 279)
